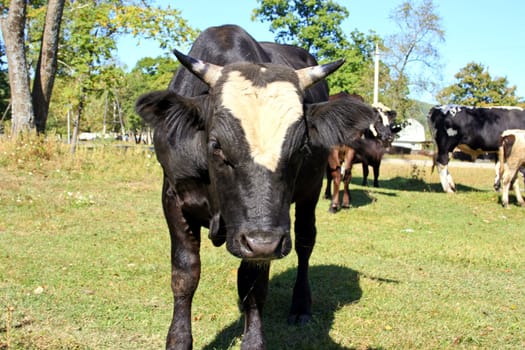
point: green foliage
(87, 69)
(357, 74)
(149, 74)
(314, 25)
(474, 86)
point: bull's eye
(215, 147)
(216, 150)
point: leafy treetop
(474, 86)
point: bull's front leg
(305, 234)
(365, 174)
(328, 190)
(346, 187)
(348, 162)
(185, 272)
(336, 178)
(375, 168)
(446, 179)
(517, 191)
(252, 286)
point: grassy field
(84, 262)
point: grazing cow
(511, 157)
(472, 130)
(370, 150)
(242, 132)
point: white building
(412, 136)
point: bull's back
(218, 45)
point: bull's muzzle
(261, 245)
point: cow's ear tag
(207, 72)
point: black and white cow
(242, 132)
(472, 130)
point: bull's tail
(505, 149)
(501, 158)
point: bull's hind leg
(252, 286)
(305, 233)
(185, 271)
(506, 182)
(346, 188)
(517, 191)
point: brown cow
(369, 150)
(511, 157)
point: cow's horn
(311, 75)
(207, 72)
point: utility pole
(376, 75)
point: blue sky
(484, 31)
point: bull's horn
(207, 72)
(311, 75)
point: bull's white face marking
(265, 114)
(451, 132)
(381, 108)
(384, 118)
(373, 130)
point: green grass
(84, 262)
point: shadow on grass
(359, 197)
(333, 287)
(417, 185)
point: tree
(47, 63)
(13, 27)
(314, 25)
(148, 74)
(412, 52)
(475, 87)
(357, 74)
(4, 87)
(88, 35)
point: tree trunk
(76, 124)
(13, 32)
(47, 63)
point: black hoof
(299, 319)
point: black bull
(240, 136)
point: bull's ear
(338, 122)
(166, 109)
(207, 72)
(311, 75)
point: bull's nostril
(246, 243)
(263, 246)
(281, 248)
